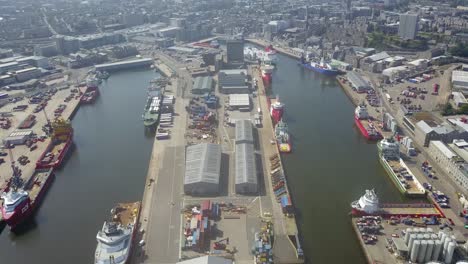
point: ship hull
(89, 99)
(285, 147)
(392, 175)
(21, 213)
(320, 70)
(364, 132)
(266, 77)
(61, 156)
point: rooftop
(203, 163)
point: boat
(366, 124)
(282, 137)
(270, 55)
(267, 71)
(368, 204)
(397, 170)
(89, 97)
(92, 83)
(276, 109)
(60, 143)
(116, 238)
(21, 200)
(214, 44)
(152, 110)
(320, 67)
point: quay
(287, 247)
(127, 64)
(280, 49)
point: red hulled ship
(92, 91)
(20, 201)
(366, 124)
(267, 71)
(61, 141)
(276, 109)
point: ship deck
(367, 124)
(414, 187)
(410, 210)
(37, 182)
(126, 213)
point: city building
(234, 51)
(408, 28)
(202, 169)
(358, 82)
(426, 131)
(27, 74)
(233, 81)
(246, 169)
(202, 85)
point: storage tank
(430, 230)
(411, 240)
(409, 231)
(427, 236)
(415, 250)
(437, 250)
(434, 237)
(442, 236)
(446, 242)
(422, 230)
(422, 251)
(419, 236)
(449, 255)
(429, 250)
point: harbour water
(331, 164)
(107, 166)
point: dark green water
(108, 166)
(331, 164)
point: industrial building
(233, 81)
(459, 99)
(235, 51)
(460, 80)
(202, 169)
(244, 132)
(124, 65)
(18, 137)
(426, 131)
(207, 260)
(408, 28)
(358, 82)
(202, 85)
(27, 74)
(246, 169)
(239, 102)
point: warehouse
(233, 81)
(244, 133)
(202, 169)
(207, 260)
(246, 169)
(239, 101)
(358, 82)
(460, 80)
(18, 137)
(202, 85)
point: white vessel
(366, 205)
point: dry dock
(285, 247)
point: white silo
(419, 236)
(434, 237)
(409, 231)
(422, 251)
(430, 230)
(446, 242)
(411, 241)
(449, 255)
(429, 250)
(442, 237)
(437, 250)
(440, 234)
(415, 250)
(427, 236)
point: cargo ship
(92, 91)
(21, 200)
(282, 137)
(366, 205)
(397, 170)
(116, 238)
(320, 67)
(152, 110)
(276, 109)
(366, 123)
(60, 143)
(267, 71)
(270, 55)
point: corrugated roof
(207, 260)
(424, 126)
(203, 163)
(203, 83)
(239, 100)
(244, 131)
(379, 56)
(443, 149)
(246, 169)
(356, 80)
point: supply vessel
(322, 67)
(282, 137)
(366, 123)
(60, 143)
(276, 109)
(397, 170)
(116, 238)
(267, 71)
(92, 91)
(152, 109)
(21, 200)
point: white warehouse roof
(203, 163)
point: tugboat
(368, 204)
(115, 240)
